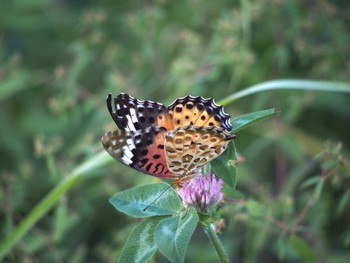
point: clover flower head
(202, 193)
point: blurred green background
(58, 61)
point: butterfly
(167, 142)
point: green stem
(291, 84)
(50, 199)
(205, 222)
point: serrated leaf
(241, 122)
(173, 235)
(302, 248)
(224, 166)
(133, 201)
(141, 245)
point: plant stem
(286, 84)
(205, 222)
(50, 199)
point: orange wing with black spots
(142, 150)
(188, 149)
(131, 114)
(198, 111)
(173, 142)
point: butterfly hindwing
(142, 150)
(189, 148)
(198, 111)
(131, 114)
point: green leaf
(302, 248)
(63, 221)
(173, 235)
(133, 201)
(311, 181)
(15, 82)
(342, 203)
(243, 121)
(256, 209)
(347, 239)
(79, 254)
(329, 165)
(141, 245)
(318, 191)
(225, 165)
(229, 192)
(281, 248)
(288, 84)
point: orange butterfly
(168, 142)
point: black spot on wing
(132, 114)
(131, 148)
(202, 104)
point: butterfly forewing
(189, 148)
(142, 150)
(198, 111)
(131, 114)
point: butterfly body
(168, 142)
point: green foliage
(173, 234)
(170, 235)
(244, 121)
(141, 244)
(303, 249)
(59, 60)
(225, 167)
(135, 201)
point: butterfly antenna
(166, 189)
